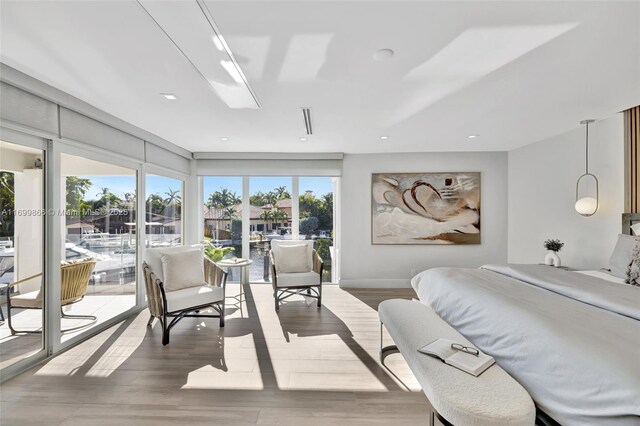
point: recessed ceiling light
(384, 138)
(383, 54)
(224, 139)
(169, 96)
(472, 136)
(304, 139)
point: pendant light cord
(586, 153)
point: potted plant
(217, 253)
(553, 246)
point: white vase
(552, 259)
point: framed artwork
(425, 208)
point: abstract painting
(425, 208)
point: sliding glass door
(276, 207)
(22, 234)
(70, 241)
(99, 257)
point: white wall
(542, 179)
(367, 265)
(29, 230)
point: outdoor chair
(75, 276)
(296, 269)
(183, 286)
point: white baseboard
(376, 283)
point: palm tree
(234, 199)
(106, 202)
(229, 213)
(223, 198)
(271, 198)
(76, 189)
(173, 196)
(282, 193)
(173, 202)
(7, 203)
(257, 199)
(129, 197)
(129, 204)
(155, 204)
(225, 195)
(266, 216)
(279, 215)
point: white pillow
(153, 257)
(182, 269)
(293, 258)
(276, 244)
(622, 255)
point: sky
(118, 185)
(159, 184)
(319, 185)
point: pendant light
(587, 205)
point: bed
(571, 339)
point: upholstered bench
(494, 398)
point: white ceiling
(512, 72)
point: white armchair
(180, 283)
(295, 268)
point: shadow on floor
(207, 374)
(373, 297)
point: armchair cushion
(153, 257)
(193, 296)
(29, 300)
(277, 245)
(182, 269)
(298, 279)
(293, 258)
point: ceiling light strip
(172, 40)
(222, 42)
(225, 46)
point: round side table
(238, 262)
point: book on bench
(467, 362)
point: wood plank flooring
(303, 366)
(104, 304)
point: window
(271, 215)
(223, 218)
(21, 249)
(163, 208)
(71, 254)
(100, 224)
(317, 218)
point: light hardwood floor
(302, 367)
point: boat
(104, 240)
(6, 265)
(106, 265)
(283, 233)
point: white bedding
(603, 276)
(578, 362)
(613, 297)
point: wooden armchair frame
(284, 292)
(157, 299)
